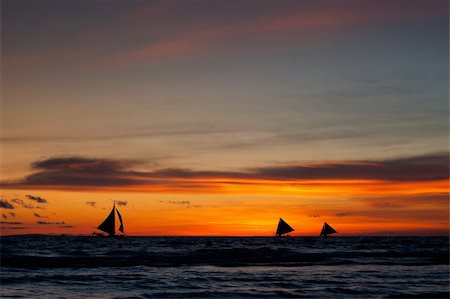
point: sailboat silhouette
(327, 230)
(109, 224)
(283, 228)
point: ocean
(36, 266)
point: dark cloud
(13, 227)
(36, 198)
(173, 202)
(82, 164)
(45, 223)
(387, 204)
(10, 222)
(399, 201)
(194, 206)
(39, 216)
(314, 215)
(186, 203)
(4, 216)
(91, 203)
(77, 172)
(24, 204)
(121, 202)
(187, 174)
(422, 168)
(66, 226)
(343, 214)
(5, 204)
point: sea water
(224, 267)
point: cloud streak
(308, 21)
(80, 173)
(49, 223)
(179, 202)
(23, 204)
(10, 222)
(4, 204)
(36, 198)
(343, 214)
(39, 216)
(186, 36)
(13, 227)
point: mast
(283, 228)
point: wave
(420, 295)
(88, 252)
(225, 258)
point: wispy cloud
(189, 34)
(307, 21)
(91, 203)
(13, 227)
(121, 202)
(23, 204)
(396, 202)
(48, 223)
(39, 216)
(4, 204)
(174, 202)
(185, 203)
(343, 214)
(10, 222)
(36, 198)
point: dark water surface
(219, 267)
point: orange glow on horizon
(246, 208)
(260, 186)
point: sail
(327, 230)
(121, 222)
(283, 228)
(108, 226)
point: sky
(220, 117)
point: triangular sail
(283, 228)
(327, 230)
(108, 226)
(121, 222)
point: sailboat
(109, 224)
(327, 230)
(283, 228)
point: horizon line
(222, 236)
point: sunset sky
(220, 117)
